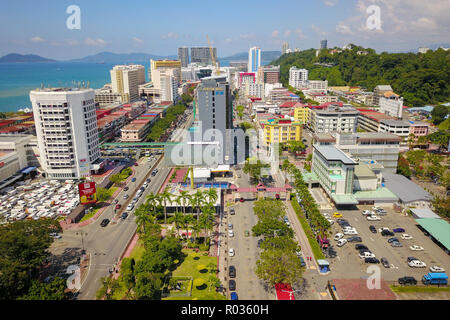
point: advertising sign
(88, 193)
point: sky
(160, 27)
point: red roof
(288, 104)
(327, 104)
(284, 291)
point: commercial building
(334, 119)
(285, 47)
(301, 113)
(269, 74)
(398, 127)
(369, 119)
(202, 55)
(391, 104)
(254, 59)
(379, 92)
(409, 193)
(136, 131)
(298, 77)
(381, 147)
(106, 96)
(419, 129)
(317, 85)
(320, 97)
(66, 128)
(125, 79)
(255, 90)
(241, 66)
(323, 44)
(183, 56)
(164, 67)
(281, 130)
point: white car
(130, 207)
(373, 218)
(368, 212)
(436, 269)
(341, 242)
(350, 232)
(383, 228)
(376, 208)
(338, 236)
(417, 264)
(366, 255)
(331, 221)
(231, 252)
(230, 233)
(416, 248)
(406, 236)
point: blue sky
(160, 27)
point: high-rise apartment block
(269, 74)
(183, 56)
(254, 59)
(125, 79)
(298, 77)
(66, 129)
(323, 44)
(202, 55)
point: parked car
(124, 215)
(338, 236)
(337, 215)
(230, 226)
(436, 269)
(232, 272)
(417, 264)
(367, 212)
(354, 239)
(398, 230)
(302, 261)
(350, 232)
(126, 188)
(406, 236)
(126, 196)
(383, 229)
(385, 263)
(396, 244)
(366, 254)
(371, 260)
(373, 218)
(331, 252)
(341, 242)
(381, 212)
(130, 207)
(55, 235)
(118, 206)
(230, 233)
(232, 285)
(411, 259)
(234, 296)
(373, 229)
(387, 233)
(231, 252)
(407, 281)
(390, 240)
(416, 248)
(360, 246)
(241, 199)
(104, 222)
(232, 212)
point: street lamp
(82, 240)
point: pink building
(419, 129)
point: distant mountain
(18, 58)
(122, 57)
(243, 56)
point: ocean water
(18, 79)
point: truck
(439, 278)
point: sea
(18, 79)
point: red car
(277, 196)
(241, 199)
(118, 206)
(136, 164)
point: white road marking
(371, 239)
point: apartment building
(202, 55)
(298, 77)
(281, 130)
(369, 119)
(66, 129)
(269, 74)
(254, 59)
(334, 119)
(301, 113)
(183, 56)
(398, 127)
(125, 80)
(317, 85)
(379, 91)
(391, 104)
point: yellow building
(280, 131)
(301, 114)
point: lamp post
(81, 233)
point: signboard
(88, 193)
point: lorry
(439, 278)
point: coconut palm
(207, 218)
(197, 200)
(185, 199)
(151, 200)
(143, 218)
(177, 218)
(212, 195)
(162, 199)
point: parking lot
(348, 264)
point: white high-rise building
(285, 47)
(66, 129)
(391, 104)
(298, 77)
(254, 59)
(125, 79)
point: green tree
(46, 291)
(439, 113)
(148, 286)
(108, 288)
(279, 266)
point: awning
(28, 170)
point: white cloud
(94, 42)
(37, 40)
(72, 42)
(343, 29)
(275, 33)
(330, 3)
(170, 35)
(228, 40)
(137, 40)
(244, 36)
(318, 30)
(299, 33)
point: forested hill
(420, 78)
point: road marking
(371, 239)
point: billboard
(88, 193)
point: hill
(20, 58)
(121, 57)
(420, 78)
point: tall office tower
(323, 44)
(202, 55)
(298, 77)
(269, 74)
(183, 56)
(285, 47)
(66, 129)
(168, 87)
(125, 79)
(167, 66)
(254, 59)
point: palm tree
(185, 199)
(197, 200)
(212, 195)
(207, 218)
(143, 217)
(186, 221)
(151, 200)
(162, 199)
(177, 218)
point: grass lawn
(188, 268)
(419, 289)
(89, 215)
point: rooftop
(406, 190)
(331, 153)
(362, 171)
(424, 213)
(438, 228)
(396, 123)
